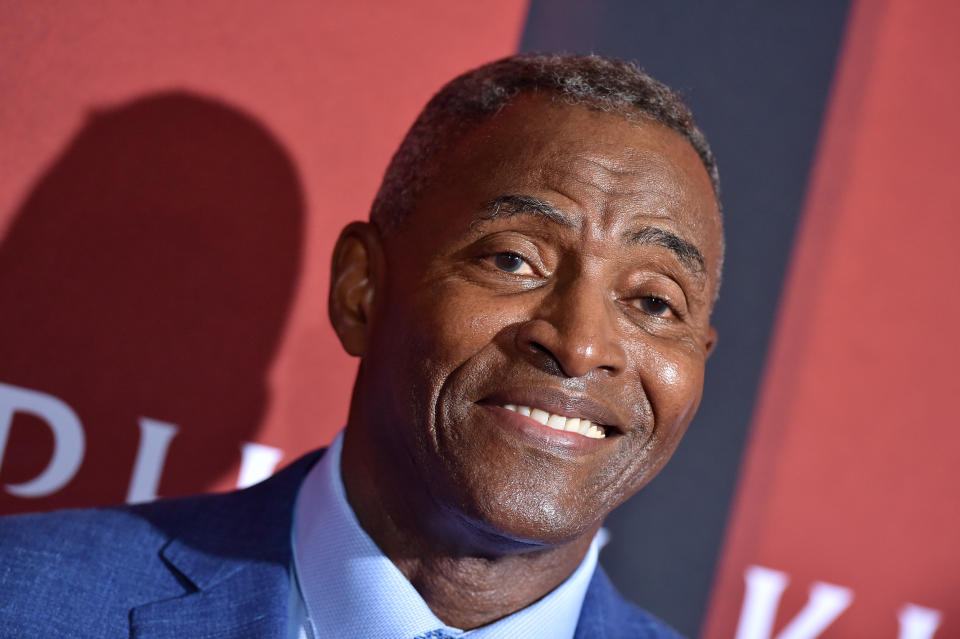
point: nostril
(549, 361)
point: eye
(512, 263)
(655, 306)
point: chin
(519, 516)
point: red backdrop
(174, 177)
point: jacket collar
(231, 554)
(606, 615)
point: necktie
(436, 634)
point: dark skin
(564, 259)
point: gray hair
(600, 83)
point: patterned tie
(436, 634)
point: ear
(711, 340)
(355, 278)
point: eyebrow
(688, 254)
(510, 205)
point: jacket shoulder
(80, 572)
(607, 614)
(76, 572)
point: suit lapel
(606, 615)
(593, 612)
(231, 553)
(251, 602)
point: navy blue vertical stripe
(757, 75)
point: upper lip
(560, 402)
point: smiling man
(531, 305)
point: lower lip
(543, 435)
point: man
(530, 302)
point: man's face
(563, 260)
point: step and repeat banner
(173, 177)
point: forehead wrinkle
(607, 166)
(561, 178)
(616, 207)
(619, 204)
(626, 205)
(631, 178)
(632, 158)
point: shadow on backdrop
(148, 275)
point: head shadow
(149, 273)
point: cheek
(669, 374)
(440, 327)
(453, 326)
(674, 385)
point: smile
(560, 422)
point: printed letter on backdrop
(68, 438)
(155, 438)
(764, 587)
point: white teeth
(560, 422)
(541, 416)
(557, 422)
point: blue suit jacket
(213, 566)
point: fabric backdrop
(173, 176)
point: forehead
(602, 169)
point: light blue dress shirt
(349, 589)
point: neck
(467, 574)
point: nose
(573, 332)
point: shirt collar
(351, 589)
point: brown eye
(512, 263)
(654, 306)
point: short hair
(601, 83)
